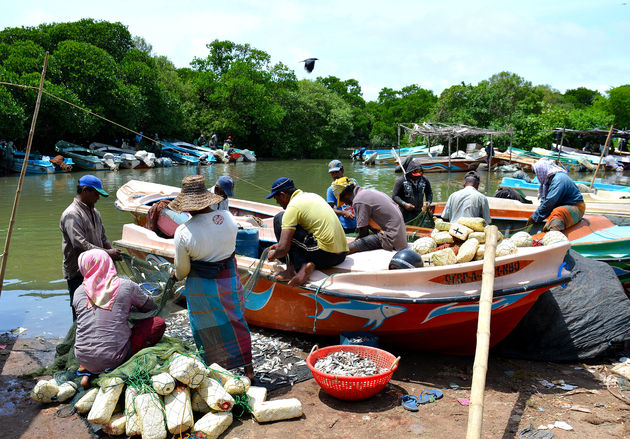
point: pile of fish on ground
(464, 241)
(187, 396)
(276, 360)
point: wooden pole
(601, 156)
(511, 137)
(480, 366)
(29, 143)
(560, 146)
(449, 153)
(398, 137)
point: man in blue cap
(308, 232)
(82, 229)
(224, 187)
(343, 211)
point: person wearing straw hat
(373, 209)
(81, 230)
(308, 232)
(204, 255)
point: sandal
(410, 402)
(429, 395)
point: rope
(255, 275)
(321, 285)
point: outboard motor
(406, 258)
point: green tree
(581, 97)
(619, 105)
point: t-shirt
(103, 336)
(313, 214)
(345, 222)
(467, 202)
(209, 237)
(222, 205)
(562, 191)
(372, 204)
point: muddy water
(34, 293)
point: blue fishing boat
(183, 156)
(531, 189)
(38, 164)
(83, 157)
(203, 149)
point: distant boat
(127, 158)
(38, 164)
(84, 158)
(387, 158)
(531, 189)
(184, 156)
(443, 164)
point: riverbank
(515, 397)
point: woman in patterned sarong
(204, 254)
(561, 202)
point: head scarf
(544, 170)
(340, 184)
(100, 280)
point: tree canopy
(237, 91)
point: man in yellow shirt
(309, 233)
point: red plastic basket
(353, 388)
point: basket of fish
(351, 372)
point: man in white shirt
(467, 202)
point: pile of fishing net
(464, 241)
(168, 389)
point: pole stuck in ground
(5, 253)
(601, 156)
(480, 366)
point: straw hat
(194, 196)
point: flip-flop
(410, 402)
(429, 395)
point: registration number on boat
(475, 275)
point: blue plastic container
(247, 242)
(358, 338)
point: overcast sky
(434, 44)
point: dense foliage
(236, 91)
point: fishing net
(423, 219)
(154, 279)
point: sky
(434, 44)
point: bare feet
(302, 275)
(249, 372)
(286, 275)
(85, 381)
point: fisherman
(138, 139)
(410, 190)
(225, 188)
(81, 230)
(102, 304)
(201, 141)
(561, 202)
(358, 155)
(467, 202)
(308, 232)
(343, 211)
(214, 140)
(227, 144)
(376, 208)
(489, 153)
(204, 255)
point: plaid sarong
(563, 217)
(216, 309)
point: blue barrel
(247, 242)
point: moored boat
(39, 164)
(84, 158)
(184, 156)
(387, 158)
(430, 308)
(127, 157)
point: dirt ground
(514, 398)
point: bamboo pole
(601, 156)
(480, 366)
(29, 143)
(449, 153)
(560, 146)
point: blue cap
(335, 166)
(227, 184)
(93, 182)
(283, 184)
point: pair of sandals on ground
(412, 402)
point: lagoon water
(34, 295)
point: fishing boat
(182, 155)
(38, 164)
(430, 308)
(594, 159)
(84, 158)
(443, 164)
(531, 189)
(387, 158)
(130, 158)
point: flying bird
(309, 64)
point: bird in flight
(309, 64)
